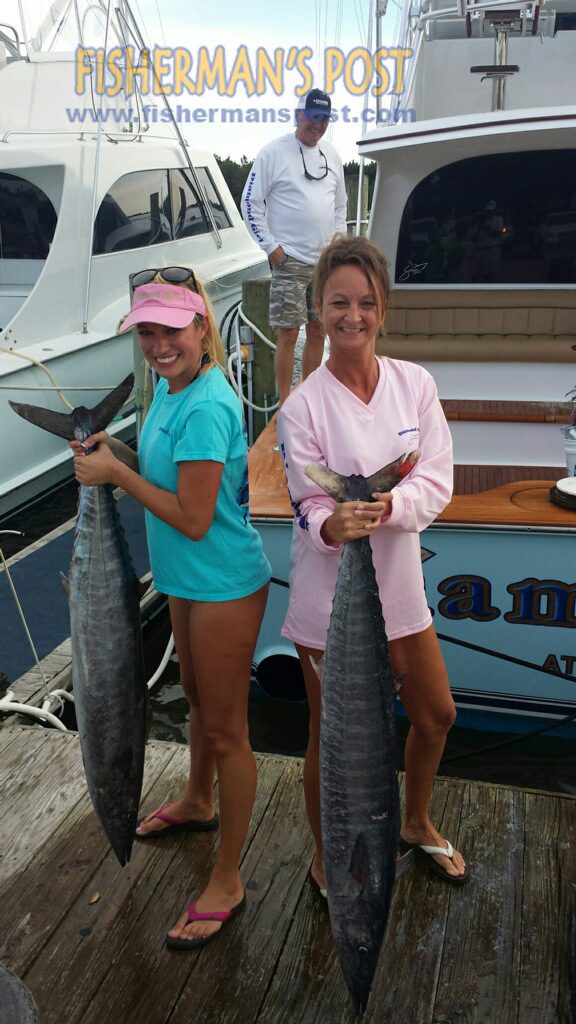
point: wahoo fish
(17, 1005)
(109, 683)
(360, 805)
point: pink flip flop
(177, 825)
(212, 915)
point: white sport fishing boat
(90, 192)
(475, 206)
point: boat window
(565, 22)
(134, 213)
(27, 220)
(188, 216)
(507, 218)
(214, 198)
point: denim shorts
(291, 302)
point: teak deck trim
(87, 937)
(506, 412)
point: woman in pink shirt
(357, 413)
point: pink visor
(163, 304)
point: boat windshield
(503, 218)
(27, 226)
(27, 220)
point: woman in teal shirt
(191, 476)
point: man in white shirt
(293, 203)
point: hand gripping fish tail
(360, 806)
(109, 682)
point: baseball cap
(163, 304)
(316, 103)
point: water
(279, 726)
(38, 520)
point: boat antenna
(381, 6)
(361, 161)
(95, 185)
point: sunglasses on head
(171, 275)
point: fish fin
(359, 870)
(333, 483)
(105, 411)
(67, 425)
(66, 584)
(60, 423)
(387, 477)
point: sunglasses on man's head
(171, 275)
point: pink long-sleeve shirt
(323, 421)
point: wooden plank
(87, 937)
(15, 753)
(104, 906)
(479, 974)
(275, 865)
(54, 673)
(128, 927)
(522, 503)
(471, 479)
(68, 859)
(547, 911)
(268, 491)
(406, 978)
(43, 794)
(497, 411)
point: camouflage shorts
(291, 302)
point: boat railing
(517, 17)
(10, 46)
(80, 133)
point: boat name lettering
(174, 71)
(551, 663)
(534, 602)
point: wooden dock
(87, 937)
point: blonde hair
(359, 252)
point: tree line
(235, 174)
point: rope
(36, 362)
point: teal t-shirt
(202, 422)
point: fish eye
(363, 950)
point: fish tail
(81, 420)
(334, 484)
(106, 410)
(338, 486)
(59, 423)
(387, 477)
